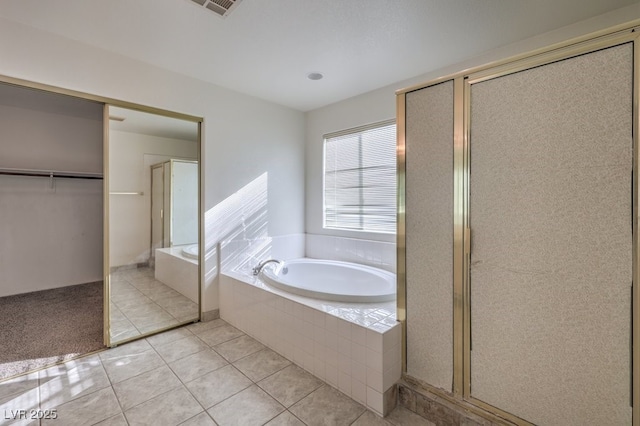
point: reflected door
(157, 210)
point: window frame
(346, 132)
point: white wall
(49, 236)
(130, 158)
(380, 104)
(369, 108)
(51, 140)
(243, 137)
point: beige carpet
(45, 327)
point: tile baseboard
(210, 315)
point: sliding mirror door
(152, 249)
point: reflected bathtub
(191, 251)
(331, 280)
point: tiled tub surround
(177, 271)
(378, 254)
(245, 247)
(353, 347)
(202, 374)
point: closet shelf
(49, 173)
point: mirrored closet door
(152, 250)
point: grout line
(183, 384)
(153, 302)
(153, 397)
(39, 397)
(112, 390)
(243, 374)
(301, 421)
(80, 396)
(196, 415)
(212, 347)
(238, 370)
(245, 356)
(138, 373)
(144, 372)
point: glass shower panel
(184, 202)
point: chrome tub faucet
(262, 264)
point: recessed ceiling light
(315, 76)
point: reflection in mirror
(153, 223)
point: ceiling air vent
(221, 7)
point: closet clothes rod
(49, 174)
(126, 193)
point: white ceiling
(266, 48)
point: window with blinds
(360, 179)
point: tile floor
(362, 361)
(202, 374)
(141, 304)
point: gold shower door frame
(462, 233)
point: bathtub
(331, 280)
(191, 251)
(178, 271)
(355, 347)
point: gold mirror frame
(108, 341)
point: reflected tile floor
(141, 304)
(176, 378)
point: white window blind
(360, 179)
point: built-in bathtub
(353, 346)
(178, 271)
(331, 280)
(191, 251)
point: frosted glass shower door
(184, 202)
(180, 202)
(551, 257)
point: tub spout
(262, 264)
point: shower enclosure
(174, 204)
(518, 235)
